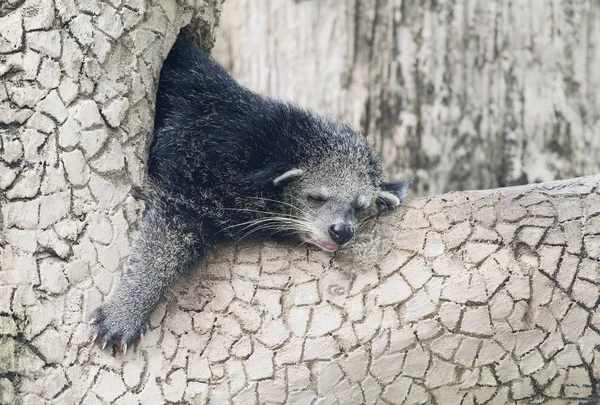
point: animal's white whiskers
(278, 227)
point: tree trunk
(470, 296)
(77, 88)
(460, 94)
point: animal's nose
(341, 233)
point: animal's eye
(317, 198)
(359, 209)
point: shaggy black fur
(216, 142)
(216, 152)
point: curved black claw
(113, 327)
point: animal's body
(225, 161)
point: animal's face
(329, 211)
(328, 206)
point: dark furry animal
(226, 162)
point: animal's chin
(328, 246)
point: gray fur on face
(332, 192)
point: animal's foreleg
(165, 249)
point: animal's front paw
(114, 325)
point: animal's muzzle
(341, 233)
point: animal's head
(330, 194)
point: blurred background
(468, 94)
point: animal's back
(215, 140)
(193, 99)
(192, 83)
(209, 130)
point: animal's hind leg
(165, 249)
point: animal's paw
(114, 326)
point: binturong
(226, 162)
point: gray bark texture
(480, 297)
(461, 94)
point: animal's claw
(110, 330)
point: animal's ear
(290, 174)
(392, 194)
(272, 175)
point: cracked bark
(461, 94)
(488, 295)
